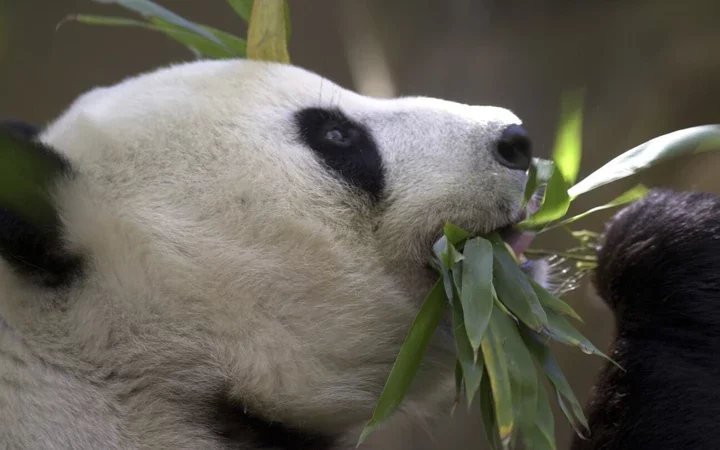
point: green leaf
(267, 33)
(472, 367)
(476, 294)
(561, 330)
(447, 256)
(234, 47)
(288, 26)
(487, 410)
(454, 234)
(496, 366)
(566, 158)
(148, 9)
(452, 256)
(243, 8)
(541, 351)
(458, 384)
(108, 21)
(531, 184)
(568, 142)
(549, 301)
(409, 358)
(521, 370)
(538, 175)
(513, 288)
(544, 169)
(555, 204)
(629, 196)
(569, 413)
(541, 436)
(457, 279)
(27, 172)
(198, 43)
(663, 148)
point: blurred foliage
(3, 30)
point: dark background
(649, 67)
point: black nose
(514, 149)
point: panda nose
(514, 149)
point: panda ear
(30, 234)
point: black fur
(34, 250)
(659, 270)
(241, 429)
(355, 156)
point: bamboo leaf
(472, 367)
(267, 34)
(555, 204)
(550, 302)
(148, 9)
(288, 24)
(487, 410)
(107, 21)
(496, 366)
(632, 195)
(513, 288)
(409, 358)
(234, 47)
(544, 169)
(561, 330)
(541, 436)
(455, 234)
(531, 184)
(566, 159)
(458, 384)
(447, 256)
(243, 8)
(538, 177)
(541, 353)
(476, 294)
(663, 148)
(568, 142)
(194, 41)
(521, 370)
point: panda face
(283, 142)
(254, 230)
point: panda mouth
(516, 238)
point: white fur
(221, 253)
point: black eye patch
(344, 146)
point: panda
(658, 270)
(228, 255)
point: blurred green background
(650, 67)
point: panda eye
(338, 135)
(343, 146)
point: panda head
(249, 232)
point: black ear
(30, 231)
